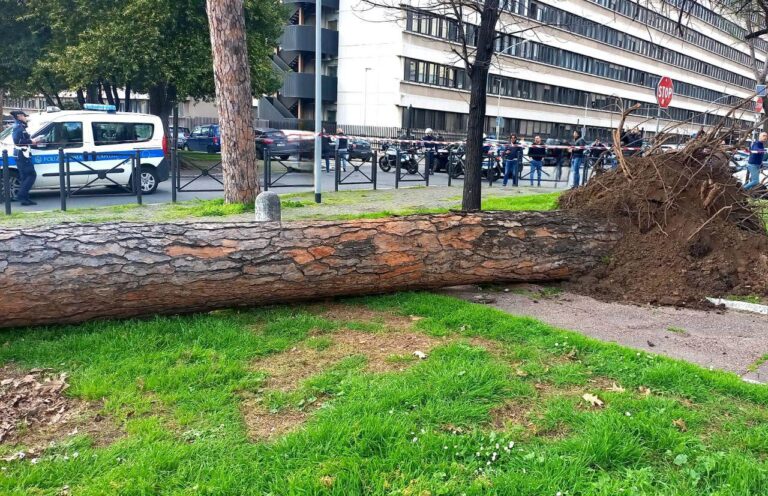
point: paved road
(731, 341)
(50, 200)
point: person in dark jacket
(577, 158)
(537, 151)
(342, 147)
(755, 161)
(326, 150)
(428, 142)
(513, 160)
(26, 168)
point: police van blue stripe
(113, 155)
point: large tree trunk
(471, 199)
(232, 75)
(73, 273)
(162, 98)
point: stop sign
(759, 105)
(664, 92)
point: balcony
(302, 85)
(327, 4)
(302, 39)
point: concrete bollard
(268, 207)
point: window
(62, 135)
(113, 133)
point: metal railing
(357, 176)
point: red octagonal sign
(664, 92)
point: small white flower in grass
(445, 447)
(477, 454)
(511, 444)
(75, 454)
(34, 461)
(497, 445)
(627, 414)
(4, 469)
(559, 494)
(488, 463)
(415, 439)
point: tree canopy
(159, 47)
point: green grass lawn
(179, 388)
(299, 205)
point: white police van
(99, 142)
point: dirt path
(731, 341)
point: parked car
(204, 139)
(109, 137)
(359, 149)
(276, 142)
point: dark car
(359, 149)
(204, 139)
(555, 156)
(276, 142)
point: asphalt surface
(730, 341)
(206, 188)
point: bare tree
(474, 48)
(226, 19)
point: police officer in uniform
(22, 142)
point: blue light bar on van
(99, 107)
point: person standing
(513, 158)
(428, 142)
(537, 151)
(577, 158)
(22, 141)
(325, 141)
(342, 148)
(755, 161)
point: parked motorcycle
(456, 161)
(492, 167)
(388, 159)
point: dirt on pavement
(689, 230)
(731, 341)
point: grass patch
(758, 363)
(546, 201)
(676, 330)
(496, 408)
(755, 299)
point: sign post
(664, 92)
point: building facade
(560, 65)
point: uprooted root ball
(689, 230)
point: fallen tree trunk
(73, 273)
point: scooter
(388, 159)
(492, 167)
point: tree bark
(232, 75)
(162, 97)
(471, 199)
(128, 96)
(74, 273)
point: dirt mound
(690, 232)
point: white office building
(560, 66)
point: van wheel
(149, 180)
(14, 184)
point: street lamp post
(318, 101)
(498, 99)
